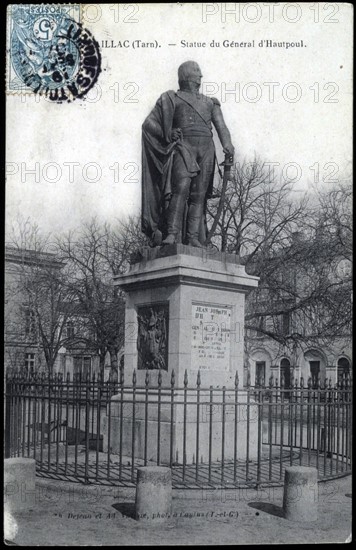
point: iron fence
(88, 430)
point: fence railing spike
(324, 409)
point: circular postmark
(54, 55)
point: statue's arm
(221, 128)
(152, 126)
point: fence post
(171, 420)
(134, 381)
(185, 384)
(8, 418)
(87, 424)
(159, 398)
(197, 431)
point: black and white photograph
(178, 274)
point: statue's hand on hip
(176, 134)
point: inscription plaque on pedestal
(210, 345)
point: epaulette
(216, 101)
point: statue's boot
(194, 242)
(157, 238)
(170, 239)
(174, 218)
(194, 219)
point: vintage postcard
(178, 253)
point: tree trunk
(50, 366)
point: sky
(68, 162)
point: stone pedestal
(202, 439)
(201, 296)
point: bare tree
(304, 295)
(259, 211)
(333, 217)
(35, 293)
(94, 255)
(294, 245)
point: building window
(30, 323)
(90, 332)
(70, 330)
(260, 373)
(30, 363)
(63, 366)
(82, 366)
(343, 369)
(286, 373)
(314, 373)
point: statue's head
(189, 75)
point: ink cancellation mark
(50, 52)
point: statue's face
(190, 71)
(195, 74)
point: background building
(28, 275)
(291, 342)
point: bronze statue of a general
(178, 161)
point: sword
(228, 163)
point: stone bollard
(153, 493)
(300, 497)
(20, 483)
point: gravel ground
(63, 513)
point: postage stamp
(50, 52)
